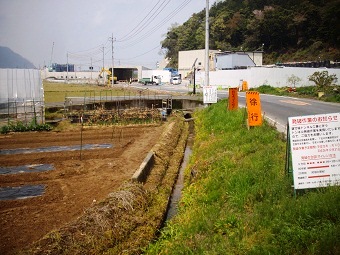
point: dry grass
(128, 219)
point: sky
(79, 31)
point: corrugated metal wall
(21, 95)
(20, 84)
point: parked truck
(150, 80)
(154, 76)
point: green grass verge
(239, 200)
(332, 94)
(56, 92)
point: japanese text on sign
(209, 94)
(315, 148)
(254, 108)
(233, 98)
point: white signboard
(209, 94)
(315, 147)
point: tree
(322, 80)
(293, 80)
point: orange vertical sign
(244, 85)
(233, 98)
(253, 108)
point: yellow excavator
(108, 76)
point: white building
(186, 59)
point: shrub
(322, 80)
(21, 127)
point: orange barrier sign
(244, 85)
(233, 99)
(253, 108)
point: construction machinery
(108, 76)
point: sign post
(253, 108)
(315, 149)
(209, 94)
(233, 99)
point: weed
(239, 201)
(19, 126)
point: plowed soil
(79, 178)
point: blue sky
(45, 31)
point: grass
(331, 95)
(238, 198)
(56, 92)
(129, 218)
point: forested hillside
(287, 30)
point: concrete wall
(187, 58)
(257, 76)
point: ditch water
(177, 190)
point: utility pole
(51, 55)
(207, 44)
(194, 69)
(112, 71)
(103, 65)
(67, 67)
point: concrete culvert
(187, 115)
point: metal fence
(25, 111)
(114, 108)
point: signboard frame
(209, 94)
(314, 146)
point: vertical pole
(103, 66)
(16, 108)
(112, 72)
(67, 68)
(91, 70)
(34, 114)
(81, 137)
(287, 150)
(194, 80)
(8, 111)
(207, 44)
(24, 103)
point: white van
(176, 80)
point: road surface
(276, 109)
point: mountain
(285, 30)
(10, 59)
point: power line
(141, 54)
(158, 25)
(128, 34)
(145, 23)
(94, 52)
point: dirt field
(75, 183)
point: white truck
(155, 77)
